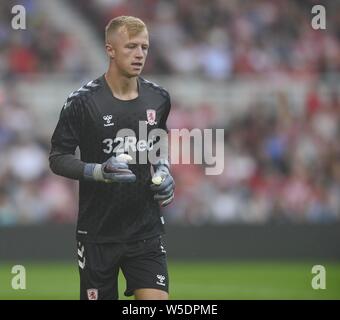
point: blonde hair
(133, 26)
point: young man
(119, 224)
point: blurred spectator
(26, 161)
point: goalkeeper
(119, 223)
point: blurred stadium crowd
(280, 165)
(220, 39)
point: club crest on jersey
(151, 117)
(108, 119)
(92, 294)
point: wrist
(93, 172)
(162, 164)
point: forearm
(67, 165)
(113, 170)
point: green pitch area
(189, 280)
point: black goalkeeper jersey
(91, 119)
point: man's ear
(110, 51)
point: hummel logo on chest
(108, 119)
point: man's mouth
(137, 64)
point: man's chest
(104, 118)
(123, 127)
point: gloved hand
(115, 169)
(163, 184)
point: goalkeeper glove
(115, 169)
(163, 184)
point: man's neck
(122, 87)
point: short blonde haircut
(133, 26)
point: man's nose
(139, 53)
